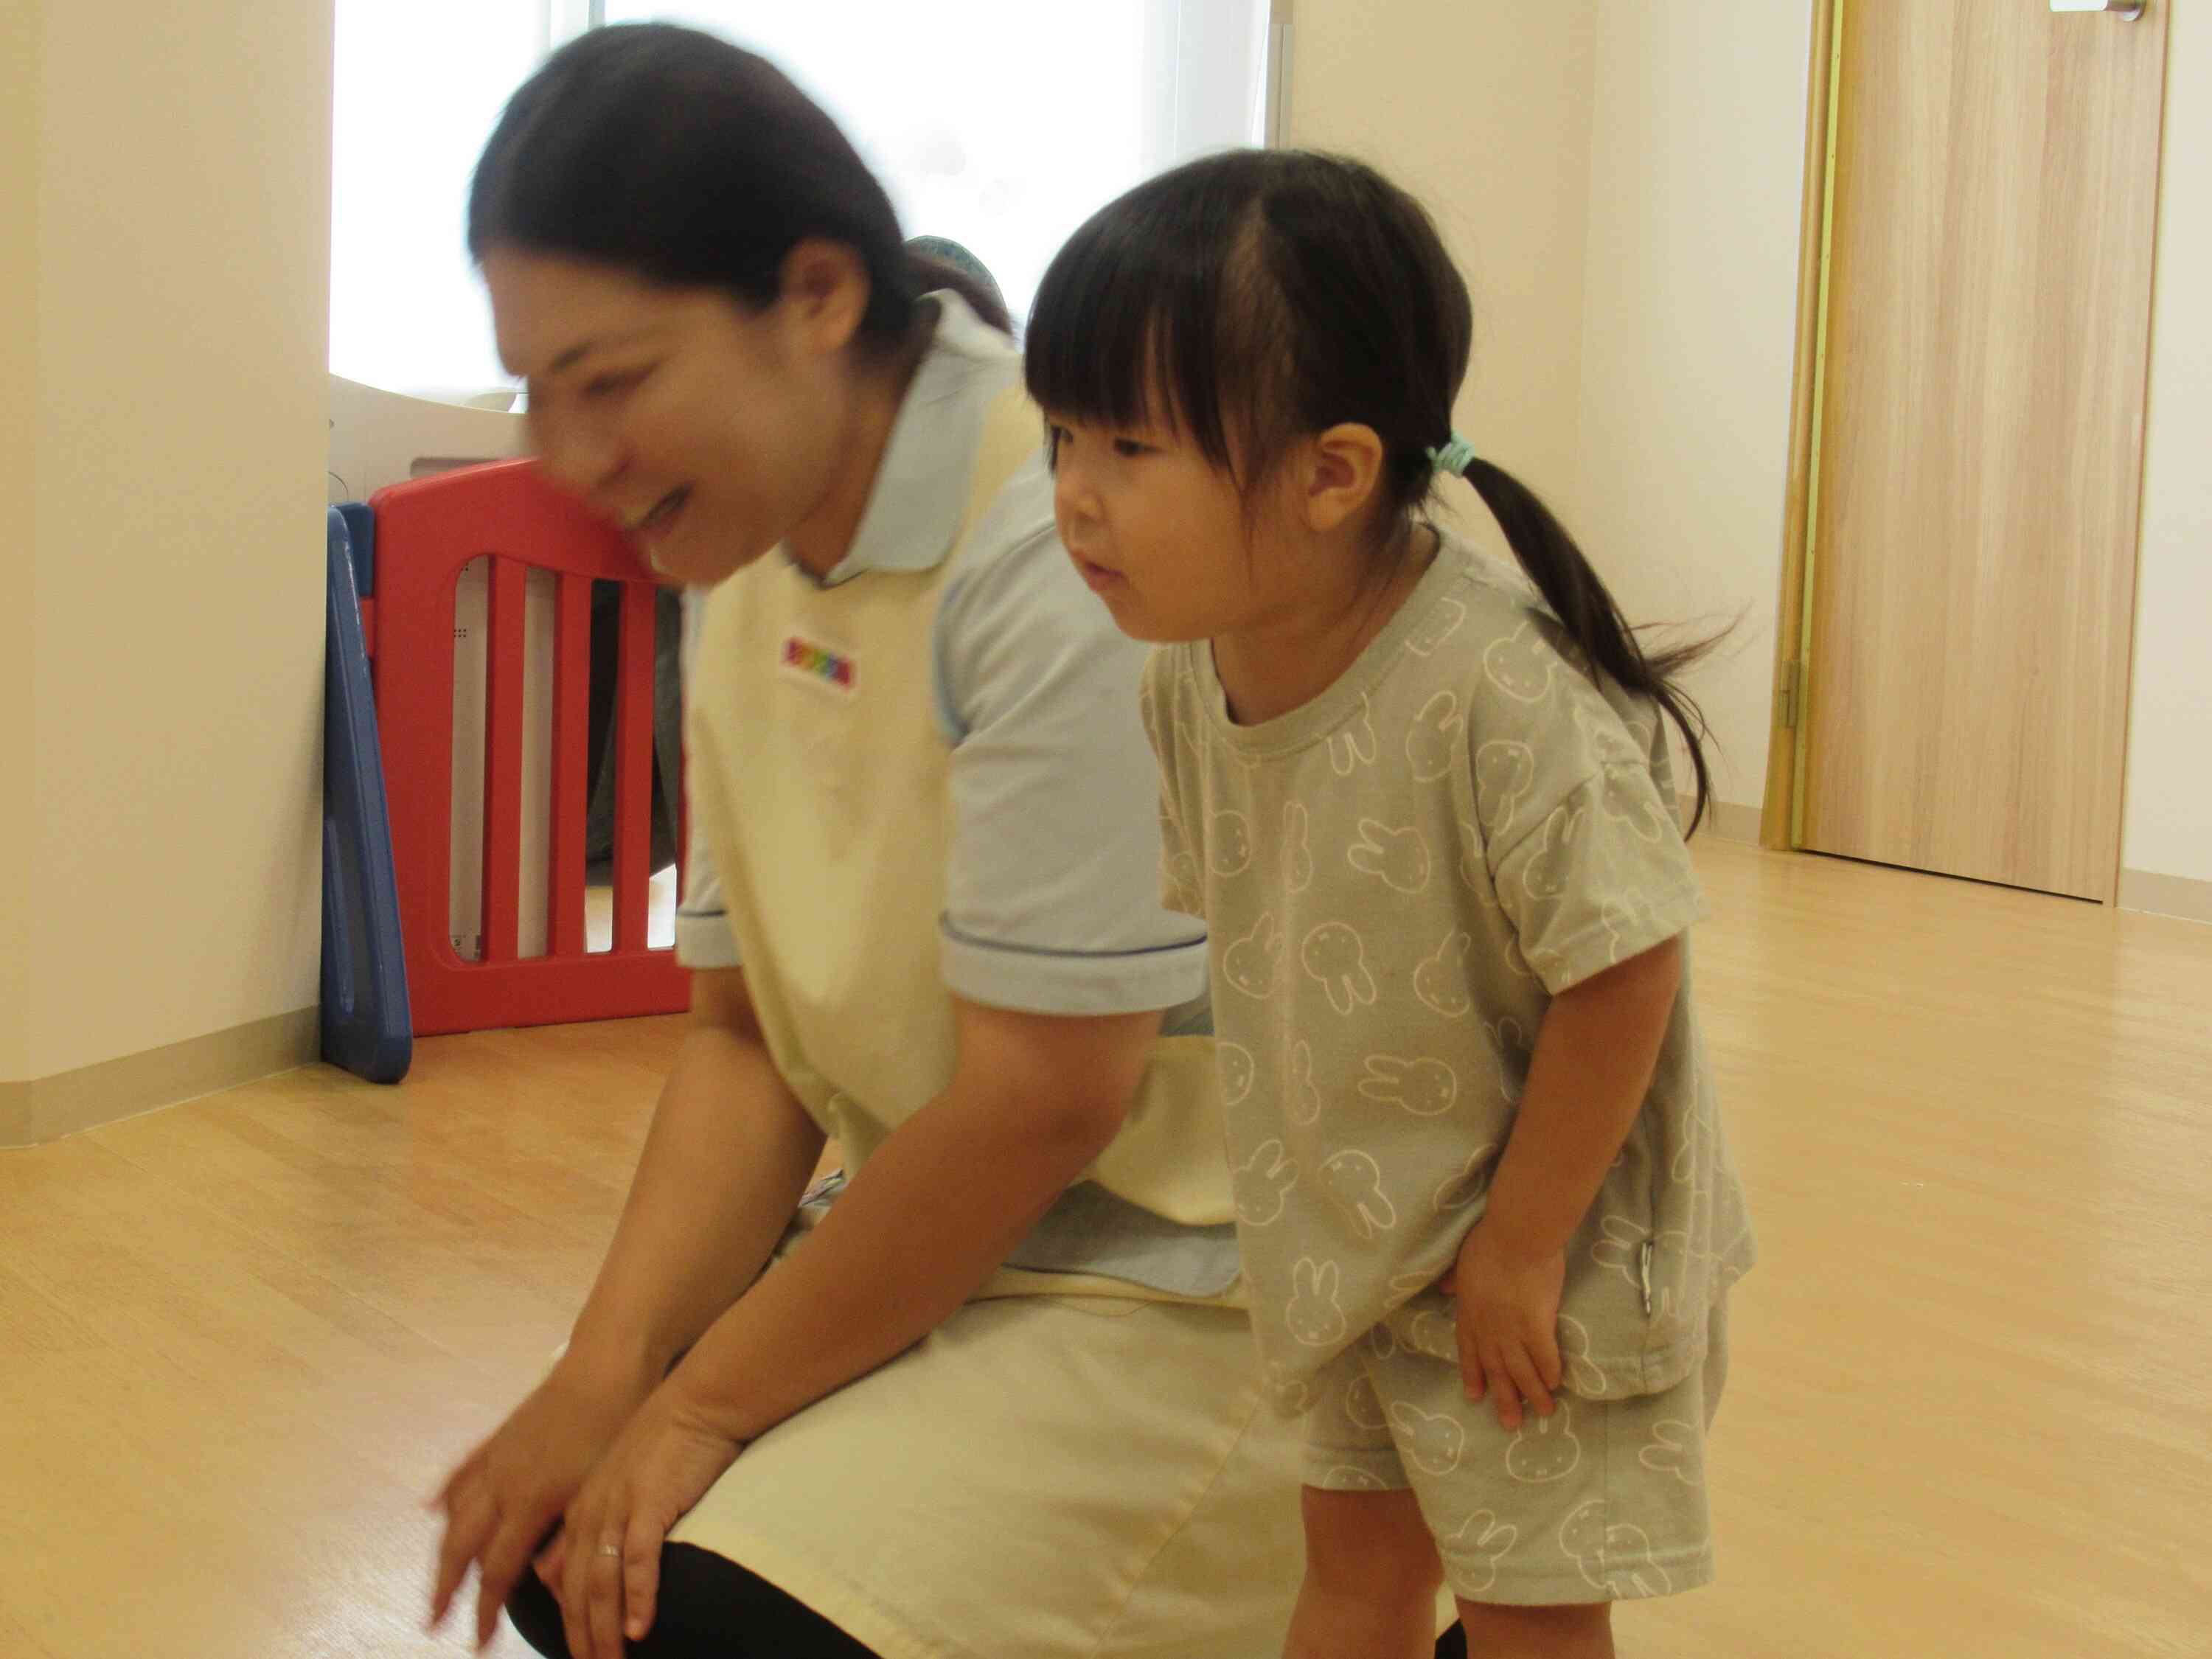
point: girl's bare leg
(1372, 1577)
(1573, 1632)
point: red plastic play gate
(426, 530)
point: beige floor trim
(1724, 819)
(1734, 821)
(2166, 895)
(46, 1108)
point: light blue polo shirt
(1052, 884)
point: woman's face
(705, 430)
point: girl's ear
(1338, 474)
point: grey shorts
(1604, 1501)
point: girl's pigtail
(1587, 610)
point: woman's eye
(610, 385)
(1128, 448)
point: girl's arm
(1595, 1053)
(1035, 1099)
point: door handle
(2129, 10)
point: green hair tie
(1454, 457)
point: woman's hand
(507, 1494)
(606, 1566)
(1508, 1323)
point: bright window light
(1002, 124)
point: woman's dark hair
(1257, 297)
(690, 162)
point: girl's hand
(505, 1495)
(1509, 1323)
(608, 1557)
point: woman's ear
(825, 291)
(1342, 468)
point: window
(1002, 124)
(419, 84)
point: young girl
(1425, 810)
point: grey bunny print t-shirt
(1397, 878)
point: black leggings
(709, 1608)
(713, 1608)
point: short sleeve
(703, 938)
(1052, 901)
(1603, 877)
(1585, 853)
(1179, 888)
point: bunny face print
(1313, 1315)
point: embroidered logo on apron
(818, 665)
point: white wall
(1481, 108)
(1621, 185)
(1688, 336)
(173, 576)
(20, 32)
(2169, 806)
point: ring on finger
(606, 1551)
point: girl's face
(705, 430)
(1158, 532)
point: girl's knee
(1372, 1544)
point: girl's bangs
(1124, 329)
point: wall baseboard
(2166, 895)
(1734, 821)
(1724, 819)
(46, 1108)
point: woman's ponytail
(938, 262)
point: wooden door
(1995, 181)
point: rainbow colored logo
(818, 663)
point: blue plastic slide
(366, 1025)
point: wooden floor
(1970, 1411)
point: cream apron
(1072, 1464)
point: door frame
(1786, 751)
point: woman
(999, 1397)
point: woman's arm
(728, 1154)
(725, 1163)
(1035, 1099)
